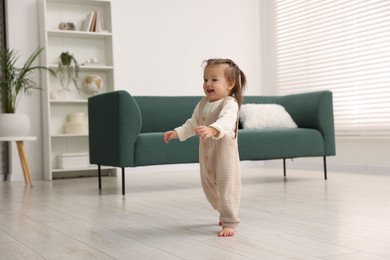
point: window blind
(342, 46)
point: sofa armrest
(114, 125)
(313, 110)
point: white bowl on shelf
(76, 128)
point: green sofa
(127, 131)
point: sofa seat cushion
(263, 144)
(150, 149)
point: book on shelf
(88, 22)
(98, 25)
(92, 22)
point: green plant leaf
(15, 81)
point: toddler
(215, 121)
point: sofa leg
(284, 167)
(123, 180)
(100, 177)
(325, 171)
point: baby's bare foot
(227, 232)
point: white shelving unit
(84, 45)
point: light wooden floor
(164, 215)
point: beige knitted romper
(220, 169)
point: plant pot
(14, 124)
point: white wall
(23, 36)
(159, 47)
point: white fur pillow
(265, 116)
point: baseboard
(316, 164)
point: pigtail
(239, 88)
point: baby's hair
(232, 73)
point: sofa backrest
(308, 110)
(163, 113)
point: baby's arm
(227, 118)
(169, 135)
(186, 130)
(205, 132)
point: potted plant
(14, 82)
(68, 70)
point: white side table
(22, 154)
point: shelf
(85, 46)
(74, 101)
(88, 67)
(90, 168)
(79, 34)
(96, 67)
(68, 135)
(81, 2)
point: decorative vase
(14, 124)
(93, 84)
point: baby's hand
(169, 135)
(205, 132)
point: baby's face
(215, 84)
